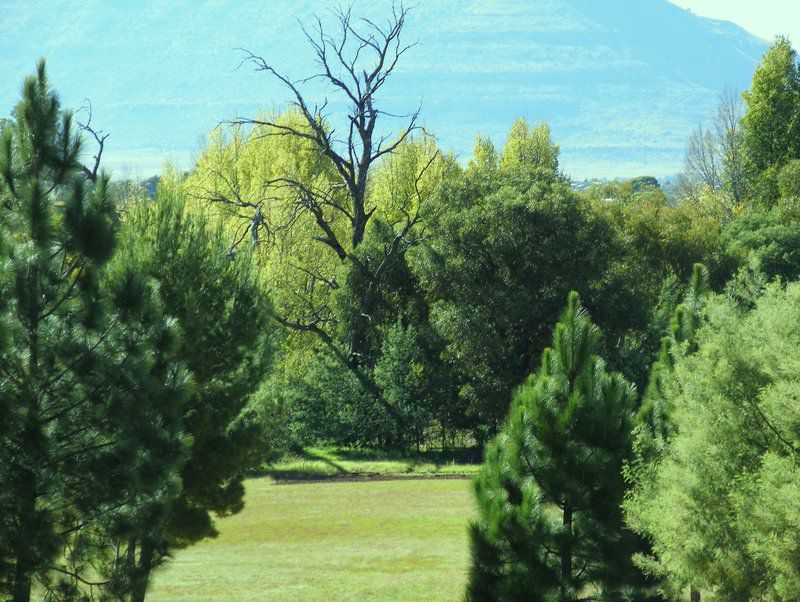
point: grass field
(403, 539)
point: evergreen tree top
(562, 448)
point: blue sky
(764, 18)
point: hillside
(621, 94)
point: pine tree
(687, 318)
(654, 418)
(88, 376)
(146, 393)
(224, 317)
(549, 493)
(57, 233)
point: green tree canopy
(508, 242)
(771, 122)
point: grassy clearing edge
(347, 464)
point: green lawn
(331, 540)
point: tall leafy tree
(549, 493)
(771, 122)
(508, 242)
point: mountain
(622, 82)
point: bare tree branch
(99, 137)
(357, 61)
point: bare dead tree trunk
(91, 173)
(355, 60)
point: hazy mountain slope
(623, 82)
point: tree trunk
(130, 559)
(362, 320)
(360, 217)
(23, 554)
(22, 584)
(27, 490)
(566, 550)
(24, 558)
(694, 595)
(142, 576)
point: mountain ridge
(622, 82)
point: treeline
(316, 278)
(416, 292)
(419, 333)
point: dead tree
(728, 134)
(355, 60)
(714, 156)
(91, 173)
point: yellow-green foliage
(254, 168)
(405, 178)
(529, 147)
(251, 167)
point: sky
(764, 18)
